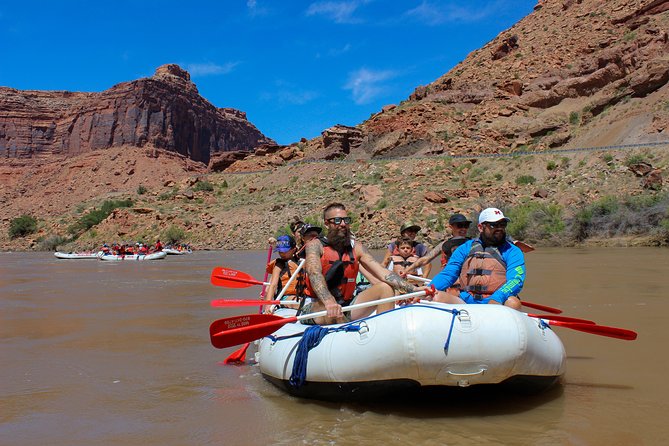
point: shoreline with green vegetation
(567, 198)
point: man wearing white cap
(489, 269)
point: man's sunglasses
(462, 225)
(338, 220)
(496, 224)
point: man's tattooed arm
(314, 269)
(398, 283)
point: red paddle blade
(232, 278)
(601, 330)
(240, 329)
(238, 356)
(244, 302)
(561, 318)
(541, 307)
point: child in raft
(282, 269)
(404, 258)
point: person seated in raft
(459, 226)
(158, 246)
(332, 267)
(308, 233)
(404, 258)
(408, 230)
(282, 270)
(490, 269)
(295, 228)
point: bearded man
(332, 265)
(490, 269)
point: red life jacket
(340, 272)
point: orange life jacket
(483, 271)
(297, 287)
(400, 263)
(340, 272)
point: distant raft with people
(177, 252)
(412, 347)
(78, 255)
(120, 257)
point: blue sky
(296, 68)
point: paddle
(248, 302)
(601, 330)
(239, 329)
(239, 355)
(525, 303)
(553, 317)
(232, 278)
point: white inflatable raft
(176, 252)
(77, 255)
(413, 347)
(152, 256)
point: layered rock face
(563, 76)
(165, 111)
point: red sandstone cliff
(573, 73)
(165, 111)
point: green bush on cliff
(204, 186)
(22, 226)
(631, 215)
(94, 217)
(536, 221)
(173, 234)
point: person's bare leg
(447, 298)
(511, 302)
(378, 291)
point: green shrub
(173, 234)
(141, 190)
(634, 159)
(204, 186)
(224, 184)
(498, 176)
(22, 226)
(51, 243)
(536, 221)
(552, 165)
(94, 217)
(525, 179)
(574, 118)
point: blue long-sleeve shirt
(515, 271)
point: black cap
(458, 218)
(307, 227)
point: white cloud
(366, 85)
(432, 15)
(210, 68)
(287, 93)
(254, 9)
(339, 12)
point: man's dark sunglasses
(462, 225)
(497, 224)
(338, 220)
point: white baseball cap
(491, 215)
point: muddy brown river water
(102, 353)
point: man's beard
(497, 238)
(339, 239)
